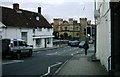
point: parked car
(69, 42)
(15, 48)
(74, 43)
(81, 44)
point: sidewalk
(82, 65)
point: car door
(26, 47)
(21, 46)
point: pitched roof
(23, 18)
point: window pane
(21, 43)
(15, 43)
(38, 42)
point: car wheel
(18, 55)
(30, 53)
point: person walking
(86, 46)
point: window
(48, 29)
(39, 29)
(24, 36)
(48, 40)
(33, 30)
(21, 43)
(65, 28)
(38, 42)
(37, 18)
(77, 34)
(15, 43)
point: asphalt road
(40, 64)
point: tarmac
(80, 65)
(47, 48)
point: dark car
(81, 44)
(15, 48)
(74, 43)
(69, 42)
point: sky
(57, 8)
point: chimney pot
(16, 6)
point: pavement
(82, 65)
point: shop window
(38, 42)
(48, 40)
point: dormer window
(19, 11)
(48, 29)
(37, 18)
(39, 29)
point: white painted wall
(44, 32)
(103, 50)
(13, 32)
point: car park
(81, 44)
(15, 48)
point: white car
(81, 44)
(15, 48)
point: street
(41, 63)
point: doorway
(115, 38)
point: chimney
(16, 6)
(39, 10)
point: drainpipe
(94, 55)
(95, 32)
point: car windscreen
(82, 43)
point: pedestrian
(86, 46)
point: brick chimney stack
(16, 6)
(39, 10)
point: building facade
(108, 30)
(103, 41)
(66, 29)
(29, 26)
(71, 29)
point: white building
(29, 26)
(103, 41)
(108, 31)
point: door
(45, 42)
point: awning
(43, 36)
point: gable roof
(23, 18)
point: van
(15, 48)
